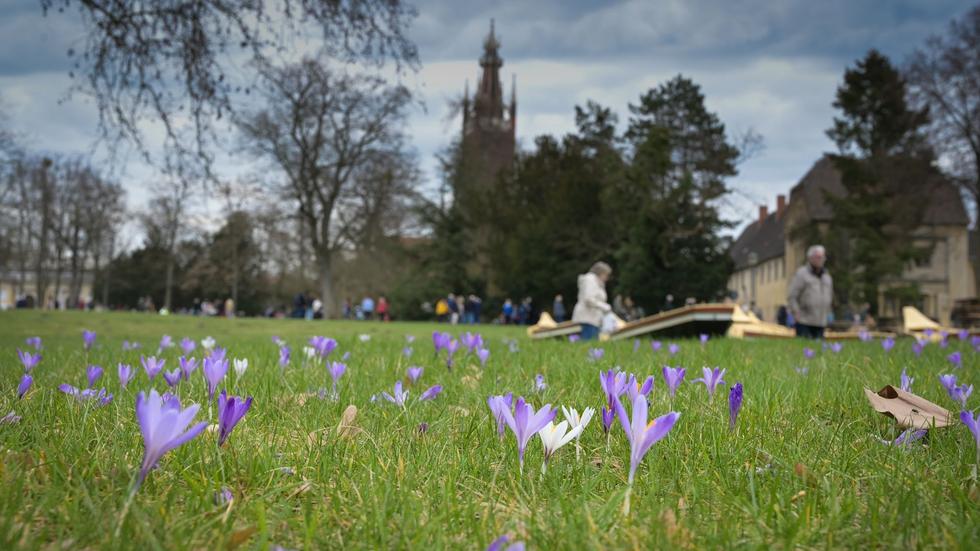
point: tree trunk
(169, 283)
(324, 267)
(108, 272)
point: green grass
(66, 467)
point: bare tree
(322, 131)
(944, 76)
(176, 60)
(165, 223)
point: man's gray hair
(601, 268)
(814, 249)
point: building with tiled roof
(765, 257)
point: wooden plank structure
(715, 319)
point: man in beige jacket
(811, 294)
(592, 305)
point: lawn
(805, 466)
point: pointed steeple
(488, 101)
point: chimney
(780, 205)
(763, 213)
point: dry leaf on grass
(347, 428)
(909, 410)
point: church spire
(488, 101)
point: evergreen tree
(884, 162)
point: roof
(764, 238)
(945, 204)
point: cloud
(771, 66)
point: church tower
(489, 125)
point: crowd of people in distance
(368, 309)
(457, 309)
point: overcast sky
(769, 66)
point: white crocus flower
(312, 355)
(576, 420)
(364, 337)
(208, 343)
(555, 436)
(241, 364)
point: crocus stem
(133, 487)
(608, 434)
(626, 500)
(544, 467)
(578, 450)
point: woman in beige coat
(592, 305)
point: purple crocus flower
(483, 354)
(636, 345)
(803, 370)
(956, 393)
(231, 409)
(100, 397)
(917, 347)
(500, 544)
(656, 345)
(187, 345)
(323, 345)
(452, 347)
(214, 371)
(336, 371)
(25, 384)
(409, 339)
(596, 354)
(152, 366)
(223, 497)
(88, 338)
(164, 427)
(472, 341)
(36, 342)
(864, 335)
(10, 419)
(973, 423)
(704, 338)
(906, 382)
(407, 351)
(956, 359)
(398, 397)
(613, 384)
(608, 417)
(125, 373)
(284, 353)
(809, 353)
(414, 373)
(734, 403)
(497, 406)
(887, 344)
(711, 379)
(539, 384)
(943, 342)
(962, 334)
(29, 359)
(642, 435)
(430, 393)
(836, 347)
(574, 338)
(673, 376)
(634, 388)
(905, 439)
(673, 348)
(93, 373)
(440, 340)
(172, 377)
(525, 422)
(165, 342)
(187, 366)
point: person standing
(383, 308)
(811, 294)
(592, 305)
(367, 308)
(558, 309)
